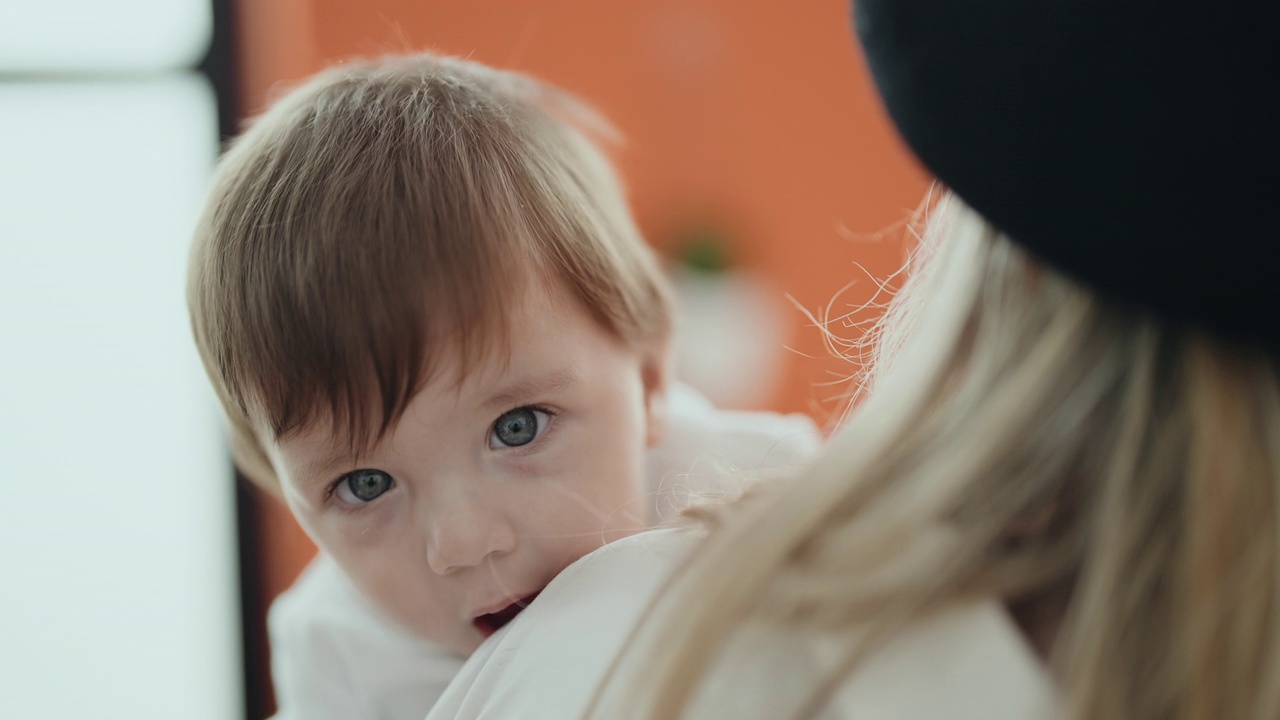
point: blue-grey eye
(363, 486)
(518, 427)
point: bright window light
(118, 572)
(103, 35)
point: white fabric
(706, 451)
(547, 662)
(334, 656)
(970, 663)
(967, 663)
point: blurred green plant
(704, 250)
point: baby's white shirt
(334, 655)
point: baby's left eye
(517, 427)
(363, 486)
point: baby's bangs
(406, 263)
(376, 229)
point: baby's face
(485, 491)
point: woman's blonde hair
(1111, 478)
(388, 212)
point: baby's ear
(657, 372)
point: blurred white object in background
(119, 567)
(730, 335)
(96, 36)
(119, 591)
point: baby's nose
(466, 533)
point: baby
(438, 335)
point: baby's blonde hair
(1115, 477)
(388, 211)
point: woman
(1061, 497)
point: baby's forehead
(545, 344)
(526, 359)
(539, 342)
(446, 404)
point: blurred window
(119, 591)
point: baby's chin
(450, 634)
(463, 642)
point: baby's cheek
(548, 476)
(375, 550)
(361, 531)
(588, 485)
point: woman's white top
(968, 663)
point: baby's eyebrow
(527, 388)
(323, 469)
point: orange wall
(756, 114)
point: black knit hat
(1130, 144)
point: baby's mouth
(490, 623)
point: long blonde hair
(1029, 442)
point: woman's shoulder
(966, 662)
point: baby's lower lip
(491, 623)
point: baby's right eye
(363, 486)
(518, 427)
